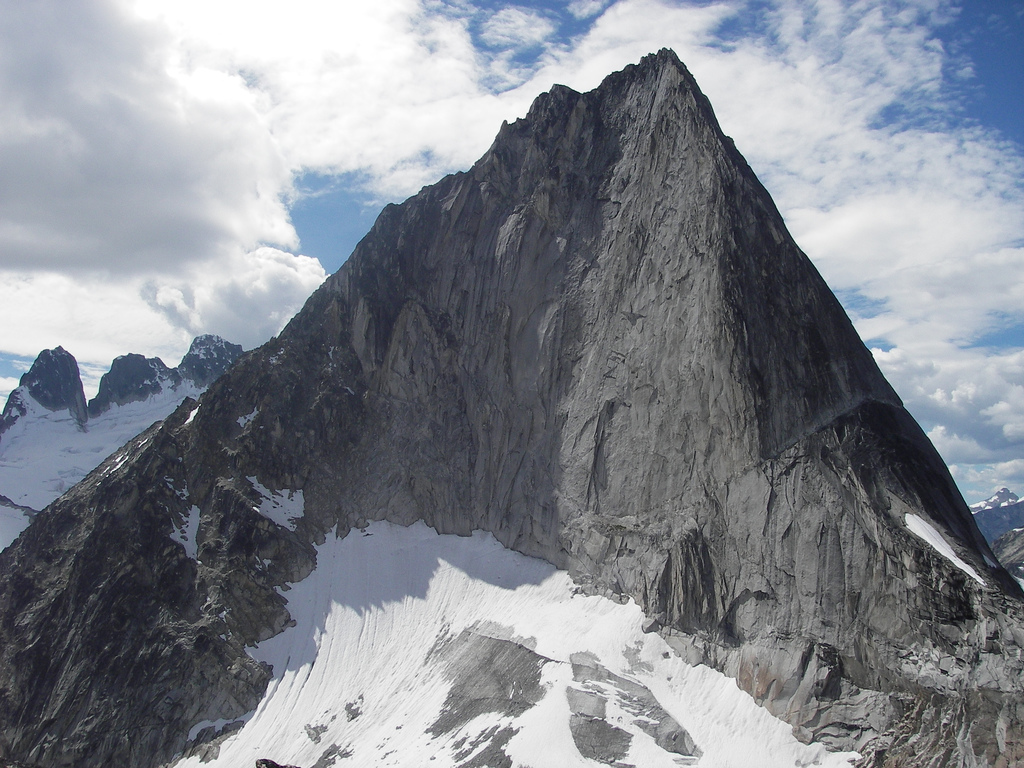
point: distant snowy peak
(207, 358)
(1004, 497)
(133, 377)
(50, 439)
(53, 382)
(1001, 512)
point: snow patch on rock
(926, 531)
(187, 533)
(243, 421)
(217, 725)
(283, 507)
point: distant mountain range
(50, 437)
(1001, 519)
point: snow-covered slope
(50, 439)
(414, 649)
(12, 522)
(46, 452)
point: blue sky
(985, 71)
(169, 169)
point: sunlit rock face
(601, 345)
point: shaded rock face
(207, 359)
(1009, 548)
(996, 519)
(54, 382)
(132, 377)
(601, 345)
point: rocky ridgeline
(601, 345)
(54, 381)
(50, 438)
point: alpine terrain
(576, 461)
(1000, 519)
(50, 438)
(1001, 512)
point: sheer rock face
(600, 344)
(53, 381)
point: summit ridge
(601, 346)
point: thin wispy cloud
(585, 9)
(149, 150)
(516, 28)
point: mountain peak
(53, 382)
(132, 377)
(1001, 498)
(602, 346)
(49, 452)
(207, 358)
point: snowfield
(412, 649)
(12, 522)
(46, 452)
(282, 507)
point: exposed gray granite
(602, 345)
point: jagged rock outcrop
(601, 345)
(208, 357)
(53, 382)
